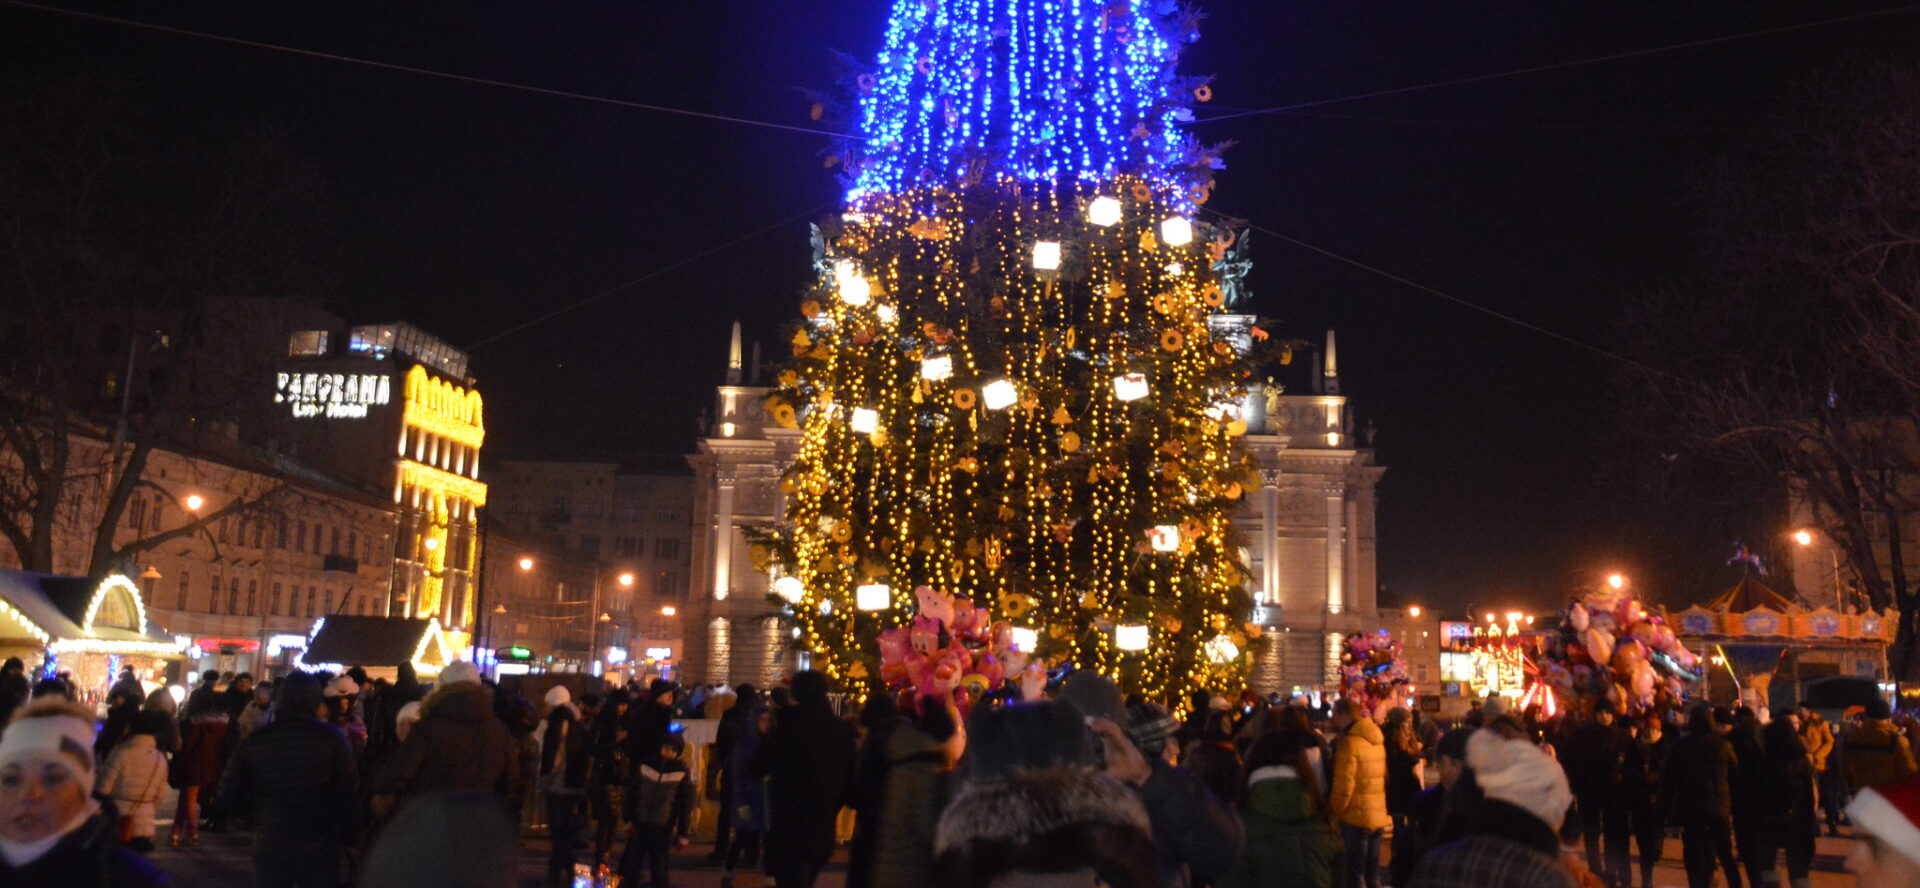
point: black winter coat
(565, 725)
(809, 759)
(1196, 837)
(647, 726)
(297, 778)
(87, 858)
(1698, 781)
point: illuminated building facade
(1308, 534)
(733, 633)
(1308, 531)
(391, 408)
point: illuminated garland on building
(1007, 376)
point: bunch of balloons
(1612, 648)
(949, 646)
(1371, 670)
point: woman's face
(37, 798)
(764, 723)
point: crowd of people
(342, 780)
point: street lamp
(1413, 611)
(668, 610)
(526, 563)
(194, 501)
(1616, 581)
(1803, 537)
(626, 579)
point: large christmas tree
(1013, 375)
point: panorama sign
(332, 395)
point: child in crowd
(135, 778)
(660, 808)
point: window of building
(300, 537)
(153, 515)
(223, 526)
(213, 597)
(590, 544)
(253, 591)
(280, 533)
(273, 603)
(259, 531)
(329, 601)
(307, 344)
(626, 514)
(233, 595)
(313, 596)
(333, 542)
(185, 579)
(626, 546)
(136, 513)
(666, 547)
(353, 543)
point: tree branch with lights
(1014, 375)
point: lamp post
(1804, 538)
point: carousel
(88, 629)
(1763, 649)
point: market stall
(89, 629)
(377, 644)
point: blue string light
(1057, 91)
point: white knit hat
(408, 713)
(459, 671)
(342, 686)
(1518, 773)
(1892, 814)
(558, 695)
(63, 739)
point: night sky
(469, 209)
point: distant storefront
(89, 629)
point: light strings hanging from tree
(1008, 375)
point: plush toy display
(950, 646)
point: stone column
(1336, 547)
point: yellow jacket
(1359, 792)
(1819, 741)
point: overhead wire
(1449, 297)
(1560, 66)
(422, 72)
(672, 266)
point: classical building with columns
(1308, 532)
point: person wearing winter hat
(52, 831)
(1064, 826)
(404, 720)
(1152, 728)
(1512, 841)
(1196, 837)
(296, 777)
(341, 695)
(1886, 825)
(458, 672)
(564, 757)
(458, 746)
